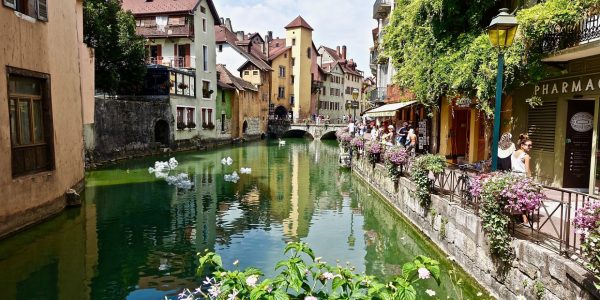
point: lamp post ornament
(502, 31)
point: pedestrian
(411, 141)
(520, 160)
(351, 128)
(388, 137)
(402, 134)
(506, 148)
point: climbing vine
(420, 170)
(440, 47)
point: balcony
(573, 42)
(378, 95)
(381, 9)
(168, 31)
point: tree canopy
(119, 52)
(440, 47)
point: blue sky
(336, 22)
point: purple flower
(424, 273)
(396, 155)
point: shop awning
(388, 110)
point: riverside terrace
(547, 247)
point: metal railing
(564, 37)
(378, 95)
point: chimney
(270, 35)
(250, 46)
(344, 52)
(338, 50)
(222, 21)
(240, 35)
(228, 24)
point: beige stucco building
(299, 37)
(43, 79)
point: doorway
(578, 144)
(459, 134)
(162, 132)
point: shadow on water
(136, 237)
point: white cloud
(336, 22)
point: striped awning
(388, 110)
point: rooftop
(299, 22)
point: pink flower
(424, 273)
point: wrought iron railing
(564, 37)
(378, 95)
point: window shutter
(541, 122)
(11, 3)
(42, 9)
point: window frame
(205, 58)
(47, 119)
(208, 90)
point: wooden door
(460, 132)
(578, 147)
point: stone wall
(126, 127)
(458, 232)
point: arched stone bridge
(317, 132)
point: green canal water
(136, 237)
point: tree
(119, 52)
(440, 47)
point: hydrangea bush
(587, 222)
(305, 277)
(357, 143)
(501, 196)
(373, 149)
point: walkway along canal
(136, 237)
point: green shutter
(11, 3)
(42, 9)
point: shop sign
(567, 86)
(582, 122)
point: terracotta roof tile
(299, 22)
(156, 7)
(275, 52)
(256, 57)
(227, 78)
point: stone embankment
(536, 273)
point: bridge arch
(297, 133)
(329, 135)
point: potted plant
(395, 158)
(182, 86)
(191, 125)
(373, 149)
(210, 126)
(181, 125)
(204, 125)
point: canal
(136, 237)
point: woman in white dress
(520, 160)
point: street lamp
(355, 94)
(502, 31)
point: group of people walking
(387, 135)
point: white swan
(245, 170)
(281, 142)
(227, 161)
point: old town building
(47, 101)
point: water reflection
(137, 238)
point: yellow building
(299, 38)
(282, 87)
(44, 80)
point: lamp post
(502, 31)
(355, 94)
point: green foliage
(495, 220)
(420, 170)
(443, 224)
(303, 276)
(539, 289)
(440, 47)
(119, 52)
(590, 249)
(433, 213)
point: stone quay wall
(459, 233)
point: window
(281, 93)
(191, 117)
(254, 72)
(285, 54)
(220, 48)
(205, 58)
(34, 8)
(206, 116)
(203, 25)
(293, 61)
(293, 42)
(281, 71)
(203, 9)
(293, 78)
(331, 92)
(30, 121)
(180, 113)
(246, 72)
(186, 116)
(342, 80)
(308, 52)
(206, 89)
